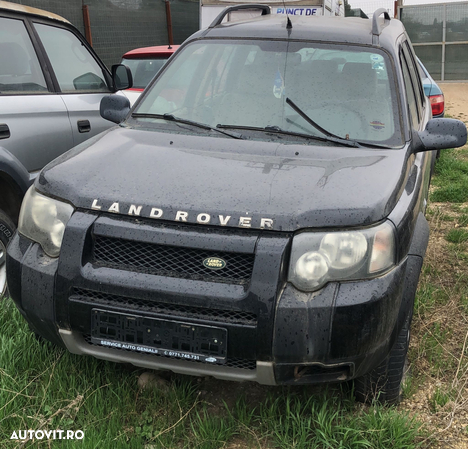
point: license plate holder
(169, 338)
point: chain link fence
(121, 25)
(373, 5)
(439, 34)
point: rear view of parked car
(433, 91)
(51, 85)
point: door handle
(4, 131)
(84, 126)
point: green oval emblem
(214, 263)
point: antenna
(288, 23)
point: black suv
(258, 215)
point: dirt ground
(456, 99)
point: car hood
(208, 179)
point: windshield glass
(344, 89)
(143, 70)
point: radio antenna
(288, 23)
(288, 20)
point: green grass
(436, 212)
(429, 297)
(439, 399)
(44, 387)
(457, 235)
(321, 422)
(451, 177)
(463, 220)
(432, 346)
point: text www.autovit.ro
(47, 434)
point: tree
(347, 7)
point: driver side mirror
(121, 77)
(440, 133)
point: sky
(369, 6)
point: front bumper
(277, 334)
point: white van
(210, 9)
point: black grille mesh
(176, 310)
(230, 362)
(171, 261)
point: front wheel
(384, 383)
(7, 229)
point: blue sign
(298, 11)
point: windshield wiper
(278, 130)
(173, 118)
(330, 136)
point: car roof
(30, 10)
(349, 30)
(145, 52)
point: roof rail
(264, 8)
(376, 28)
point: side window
(20, 71)
(74, 66)
(410, 95)
(415, 76)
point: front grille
(172, 261)
(176, 310)
(230, 362)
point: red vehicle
(144, 63)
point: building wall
(439, 34)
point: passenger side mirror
(114, 108)
(440, 133)
(121, 77)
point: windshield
(346, 90)
(143, 70)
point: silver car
(51, 85)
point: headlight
(43, 220)
(321, 257)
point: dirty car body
(267, 226)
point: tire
(7, 229)
(384, 383)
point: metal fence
(121, 25)
(369, 6)
(439, 33)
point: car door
(34, 123)
(80, 77)
(419, 115)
